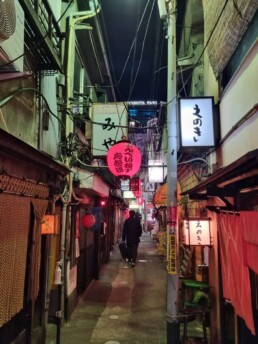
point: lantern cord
(180, 163)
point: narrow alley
(116, 113)
(125, 305)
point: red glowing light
(88, 220)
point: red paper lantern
(88, 220)
(124, 159)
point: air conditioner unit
(12, 34)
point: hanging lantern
(124, 159)
(88, 220)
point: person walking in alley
(132, 230)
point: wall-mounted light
(50, 224)
(102, 203)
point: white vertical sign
(197, 232)
(196, 121)
(110, 121)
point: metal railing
(39, 13)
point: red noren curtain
(239, 251)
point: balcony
(43, 37)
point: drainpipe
(104, 53)
(74, 20)
(173, 324)
(65, 198)
(62, 258)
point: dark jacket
(132, 231)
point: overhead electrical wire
(132, 45)
(143, 45)
(5, 100)
(126, 126)
(135, 49)
(121, 76)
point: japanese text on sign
(172, 269)
(197, 232)
(124, 162)
(197, 123)
(172, 219)
(108, 126)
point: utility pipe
(173, 324)
(74, 20)
(104, 53)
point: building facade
(217, 57)
(51, 58)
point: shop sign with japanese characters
(196, 122)
(110, 121)
(172, 258)
(197, 232)
(124, 159)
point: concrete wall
(237, 101)
(19, 116)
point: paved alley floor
(124, 306)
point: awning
(237, 178)
(160, 196)
(7, 76)
(24, 153)
(92, 183)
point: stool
(195, 302)
(195, 312)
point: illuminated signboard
(50, 224)
(196, 122)
(157, 171)
(197, 232)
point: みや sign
(124, 159)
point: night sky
(144, 75)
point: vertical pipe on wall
(173, 324)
